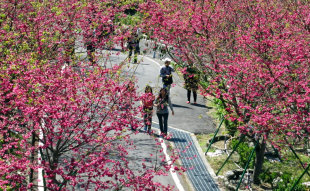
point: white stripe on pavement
(164, 146)
(40, 170)
(173, 173)
(152, 61)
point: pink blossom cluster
(62, 114)
(254, 56)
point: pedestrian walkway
(187, 118)
(197, 171)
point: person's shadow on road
(181, 106)
(193, 104)
(200, 105)
(176, 140)
(172, 139)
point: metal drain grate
(197, 171)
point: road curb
(206, 163)
(186, 179)
(199, 177)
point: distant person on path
(133, 46)
(90, 46)
(161, 103)
(148, 102)
(191, 79)
(166, 74)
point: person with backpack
(133, 46)
(166, 74)
(90, 46)
(161, 103)
(191, 78)
(148, 102)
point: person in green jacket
(191, 78)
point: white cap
(167, 60)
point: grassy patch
(202, 140)
(217, 162)
(289, 165)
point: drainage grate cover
(197, 171)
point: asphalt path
(145, 148)
(188, 117)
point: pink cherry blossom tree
(60, 113)
(253, 55)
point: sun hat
(167, 60)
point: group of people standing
(163, 101)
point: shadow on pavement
(112, 49)
(176, 140)
(181, 106)
(200, 105)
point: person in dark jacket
(166, 74)
(90, 46)
(133, 46)
(191, 78)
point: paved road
(144, 149)
(188, 117)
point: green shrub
(244, 151)
(287, 183)
(230, 126)
(268, 177)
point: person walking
(90, 46)
(161, 103)
(133, 46)
(191, 79)
(148, 102)
(166, 74)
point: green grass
(217, 162)
(290, 165)
(202, 140)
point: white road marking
(173, 173)
(40, 170)
(153, 61)
(164, 146)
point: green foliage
(7, 187)
(231, 127)
(131, 20)
(244, 152)
(287, 182)
(268, 177)
(285, 175)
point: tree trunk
(32, 158)
(260, 151)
